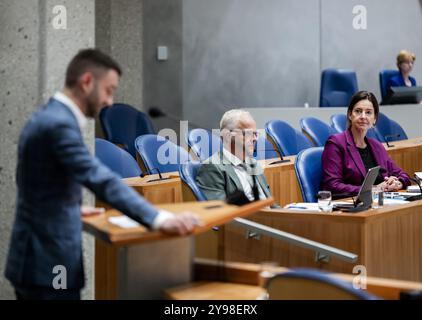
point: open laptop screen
(364, 198)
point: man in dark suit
(53, 165)
(234, 168)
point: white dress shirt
(245, 178)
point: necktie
(250, 170)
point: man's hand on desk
(91, 211)
(181, 224)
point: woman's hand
(391, 184)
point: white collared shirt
(80, 117)
(246, 180)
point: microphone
(155, 112)
(418, 182)
(386, 137)
(159, 175)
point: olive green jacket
(217, 179)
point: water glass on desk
(324, 201)
(377, 195)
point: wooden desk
(137, 263)
(407, 154)
(388, 240)
(158, 191)
(281, 178)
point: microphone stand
(391, 136)
(418, 182)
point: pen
(297, 207)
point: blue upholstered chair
(122, 124)
(312, 284)
(317, 130)
(389, 130)
(264, 149)
(308, 168)
(339, 123)
(337, 87)
(384, 77)
(159, 154)
(288, 140)
(188, 172)
(117, 159)
(203, 143)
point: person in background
(53, 165)
(405, 62)
(234, 168)
(348, 156)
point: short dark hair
(89, 60)
(362, 95)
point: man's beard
(92, 103)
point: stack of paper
(413, 189)
(123, 222)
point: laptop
(364, 197)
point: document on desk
(395, 201)
(303, 206)
(123, 222)
(414, 189)
(408, 194)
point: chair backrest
(397, 129)
(159, 154)
(317, 130)
(188, 172)
(203, 143)
(385, 76)
(122, 124)
(337, 87)
(389, 129)
(312, 284)
(339, 123)
(117, 159)
(264, 149)
(288, 140)
(308, 168)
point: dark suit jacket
(343, 168)
(53, 164)
(217, 179)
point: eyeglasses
(359, 112)
(247, 132)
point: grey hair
(231, 118)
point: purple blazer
(343, 170)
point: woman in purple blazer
(348, 156)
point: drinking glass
(324, 201)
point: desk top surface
(211, 213)
(363, 216)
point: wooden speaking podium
(136, 263)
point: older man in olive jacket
(234, 168)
